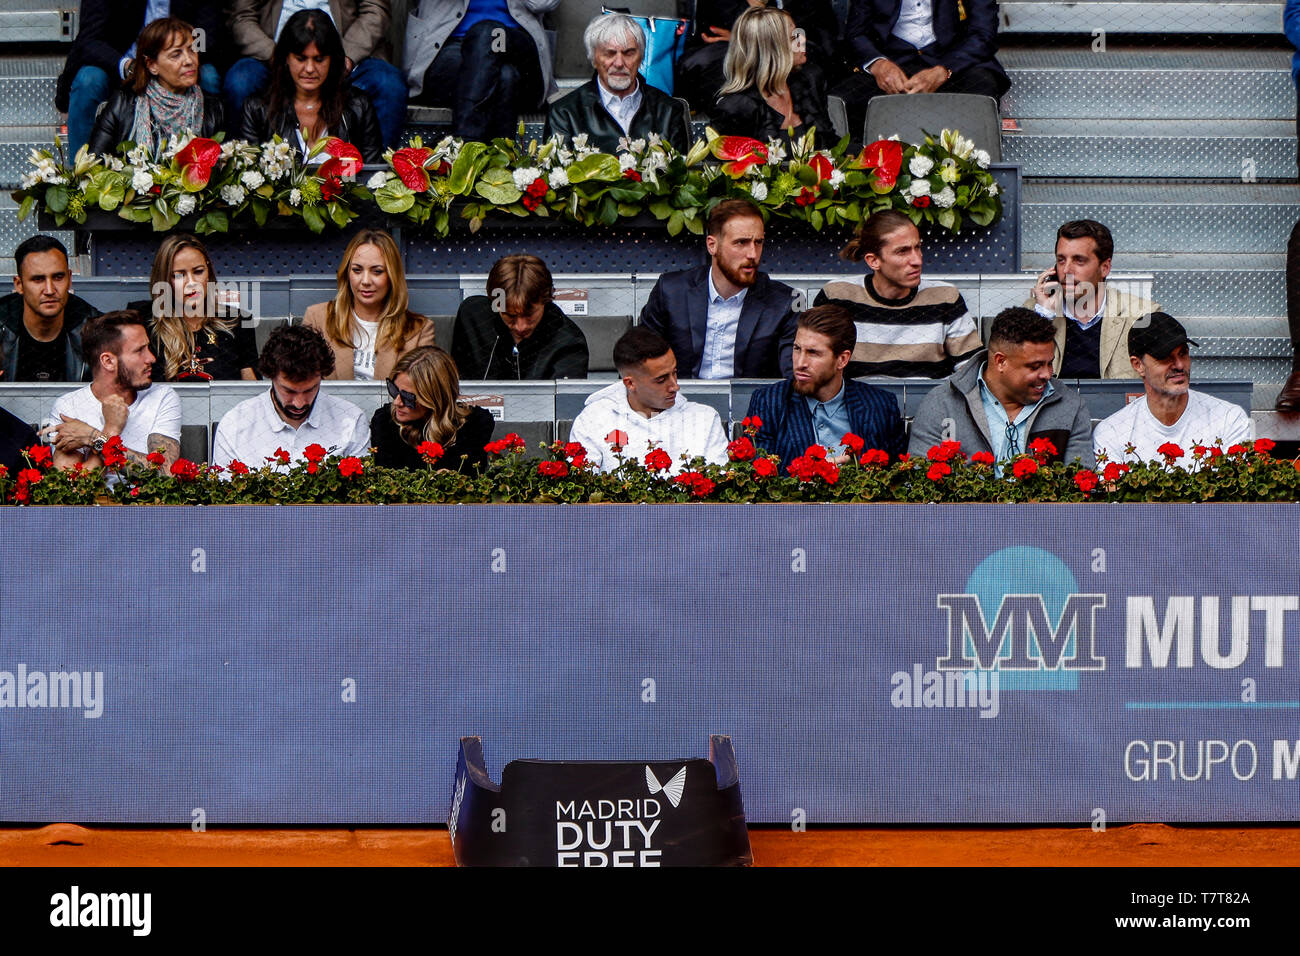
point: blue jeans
(381, 81)
(485, 86)
(90, 87)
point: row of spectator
(303, 69)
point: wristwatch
(97, 445)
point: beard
(813, 385)
(124, 380)
(735, 276)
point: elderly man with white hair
(617, 102)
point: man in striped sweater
(907, 326)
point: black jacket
(678, 309)
(583, 112)
(747, 114)
(75, 315)
(358, 126)
(466, 455)
(965, 31)
(113, 125)
(106, 31)
(483, 347)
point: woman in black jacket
(766, 93)
(161, 99)
(309, 96)
(426, 407)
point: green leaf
(111, 194)
(465, 168)
(817, 220)
(25, 207)
(981, 215)
(394, 197)
(214, 221)
(695, 226)
(498, 187)
(627, 210)
(661, 209)
(338, 213)
(261, 210)
(161, 218)
(598, 166)
(312, 217)
(608, 213)
(56, 198)
(675, 223)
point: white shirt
(915, 24)
(683, 428)
(155, 411)
(293, 6)
(1097, 316)
(1204, 421)
(363, 349)
(252, 431)
(622, 108)
(719, 358)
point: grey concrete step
(1161, 149)
(37, 21)
(1187, 218)
(16, 144)
(1143, 16)
(1190, 83)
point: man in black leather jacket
(40, 321)
(617, 102)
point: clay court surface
(1147, 844)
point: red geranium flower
(1042, 449)
(875, 457)
(1172, 452)
(983, 458)
(938, 471)
(815, 451)
(430, 451)
(742, 449)
(764, 467)
(39, 455)
(553, 469)
(114, 453)
(699, 484)
(751, 421)
(156, 458)
(1086, 480)
(29, 476)
(658, 460)
(617, 440)
(1232, 449)
(512, 442)
(944, 451)
(1264, 445)
(313, 452)
(350, 466)
(281, 456)
(1110, 474)
(184, 469)
(1024, 468)
(853, 443)
(237, 467)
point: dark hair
(1016, 326)
(833, 321)
(303, 29)
(637, 346)
(1089, 229)
(871, 233)
(33, 245)
(153, 39)
(298, 352)
(103, 333)
(524, 282)
(728, 210)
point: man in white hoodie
(646, 411)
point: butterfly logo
(672, 789)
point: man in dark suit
(817, 405)
(105, 48)
(726, 319)
(919, 46)
(618, 102)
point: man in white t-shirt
(120, 400)
(645, 410)
(1170, 412)
(293, 413)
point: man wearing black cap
(1170, 411)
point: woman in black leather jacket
(161, 98)
(308, 96)
(766, 93)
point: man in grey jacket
(488, 60)
(1005, 398)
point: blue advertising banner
(886, 663)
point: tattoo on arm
(170, 448)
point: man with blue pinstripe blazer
(818, 405)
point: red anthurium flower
(885, 157)
(738, 153)
(196, 161)
(408, 163)
(347, 154)
(822, 166)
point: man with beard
(726, 319)
(818, 405)
(1171, 412)
(617, 104)
(277, 426)
(120, 401)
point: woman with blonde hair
(767, 95)
(193, 334)
(369, 323)
(426, 407)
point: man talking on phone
(1092, 321)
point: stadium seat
(912, 115)
(602, 331)
(194, 443)
(534, 434)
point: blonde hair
(436, 384)
(396, 323)
(760, 53)
(167, 321)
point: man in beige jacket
(1092, 320)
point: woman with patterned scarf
(161, 98)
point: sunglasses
(408, 398)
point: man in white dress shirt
(1170, 412)
(646, 410)
(293, 413)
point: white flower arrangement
(526, 176)
(185, 204)
(558, 178)
(377, 181)
(758, 190)
(944, 198)
(252, 179)
(920, 166)
(919, 187)
(234, 195)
